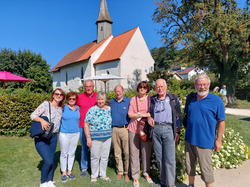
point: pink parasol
(9, 77)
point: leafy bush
(232, 153)
(15, 112)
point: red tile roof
(186, 71)
(79, 54)
(113, 51)
(116, 47)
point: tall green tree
(213, 32)
(29, 65)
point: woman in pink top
(135, 145)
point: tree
(212, 32)
(29, 65)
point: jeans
(68, 144)
(84, 154)
(164, 147)
(46, 149)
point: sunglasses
(57, 94)
(144, 87)
(71, 99)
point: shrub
(15, 112)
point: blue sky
(56, 27)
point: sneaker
(106, 179)
(43, 184)
(136, 183)
(148, 178)
(64, 178)
(50, 184)
(71, 176)
(83, 173)
(93, 180)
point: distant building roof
(185, 71)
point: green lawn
(240, 124)
(243, 104)
(21, 164)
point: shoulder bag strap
(136, 103)
(49, 112)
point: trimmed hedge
(15, 112)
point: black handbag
(36, 128)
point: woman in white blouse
(47, 147)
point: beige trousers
(120, 144)
(135, 146)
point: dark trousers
(46, 149)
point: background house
(125, 55)
(188, 72)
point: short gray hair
(101, 94)
(88, 81)
(201, 75)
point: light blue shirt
(163, 111)
(70, 120)
(223, 91)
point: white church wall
(136, 61)
(112, 68)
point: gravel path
(240, 112)
(238, 177)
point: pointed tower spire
(104, 22)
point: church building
(125, 55)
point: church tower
(104, 22)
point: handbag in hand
(36, 127)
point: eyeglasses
(72, 99)
(200, 85)
(57, 94)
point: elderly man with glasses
(205, 115)
(166, 122)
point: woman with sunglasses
(138, 109)
(69, 135)
(47, 147)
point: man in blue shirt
(119, 112)
(205, 115)
(166, 122)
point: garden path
(238, 177)
(236, 111)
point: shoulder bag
(143, 128)
(36, 130)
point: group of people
(87, 116)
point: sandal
(106, 179)
(93, 180)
